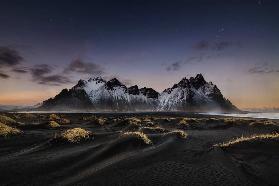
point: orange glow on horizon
(33, 98)
(24, 98)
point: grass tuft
(53, 124)
(184, 121)
(89, 118)
(153, 129)
(76, 135)
(180, 133)
(54, 117)
(249, 139)
(5, 130)
(100, 121)
(7, 120)
(139, 135)
(134, 121)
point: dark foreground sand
(39, 155)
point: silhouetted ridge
(97, 80)
(198, 81)
(114, 83)
(149, 92)
(68, 99)
(134, 90)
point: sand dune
(139, 149)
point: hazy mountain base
(167, 149)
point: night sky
(49, 45)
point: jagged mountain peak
(199, 77)
(195, 82)
(81, 83)
(88, 86)
(134, 90)
(194, 93)
(97, 79)
(149, 92)
(114, 83)
(183, 83)
(198, 81)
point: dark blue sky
(234, 43)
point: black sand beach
(139, 149)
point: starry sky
(49, 45)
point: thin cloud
(218, 45)
(40, 70)
(20, 70)
(4, 76)
(222, 45)
(79, 66)
(263, 69)
(54, 80)
(9, 57)
(202, 45)
(179, 64)
(174, 66)
(42, 75)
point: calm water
(252, 115)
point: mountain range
(96, 94)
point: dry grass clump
(146, 119)
(133, 121)
(53, 124)
(179, 133)
(153, 129)
(195, 120)
(101, 121)
(263, 123)
(229, 121)
(252, 122)
(270, 122)
(184, 121)
(167, 119)
(139, 135)
(250, 139)
(54, 117)
(76, 135)
(115, 120)
(193, 123)
(213, 120)
(5, 130)
(89, 118)
(149, 124)
(7, 120)
(238, 121)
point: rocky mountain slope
(194, 94)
